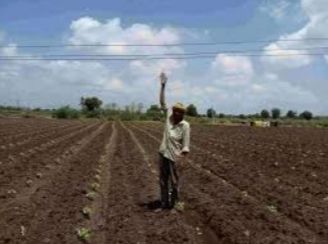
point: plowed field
(240, 184)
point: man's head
(178, 111)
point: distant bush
(221, 115)
(191, 110)
(93, 114)
(66, 112)
(242, 116)
(126, 116)
(265, 114)
(154, 113)
(306, 115)
(275, 113)
(210, 113)
(90, 103)
(291, 114)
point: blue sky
(36, 20)
(228, 83)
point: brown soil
(240, 184)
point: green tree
(192, 110)
(153, 108)
(66, 112)
(210, 113)
(275, 113)
(306, 115)
(90, 103)
(242, 116)
(221, 115)
(154, 112)
(291, 114)
(265, 114)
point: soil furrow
(288, 220)
(49, 215)
(305, 209)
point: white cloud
(326, 58)
(282, 94)
(115, 84)
(9, 50)
(153, 68)
(286, 58)
(276, 9)
(258, 88)
(88, 30)
(315, 8)
(232, 70)
(231, 84)
(132, 80)
(317, 13)
(265, 91)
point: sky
(228, 83)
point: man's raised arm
(163, 80)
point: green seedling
(29, 182)
(91, 195)
(12, 191)
(179, 206)
(83, 234)
(272, 209)
(95, 186)
(97, 177)
(87, 212)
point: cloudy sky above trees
(228, 83)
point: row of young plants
(92, 193)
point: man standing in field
(173, 149)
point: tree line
(91, 107)
(275, 113)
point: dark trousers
(168, 182)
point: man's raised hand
(163, 78)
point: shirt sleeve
(164, 108)
(186, 138)
(167, 114)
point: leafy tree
(242, 116)
(153, 108)
(192, 110)
(306, 115)
(265, 114)
(65, 112)
(291, 114)
(90, 103)
(221, 115)
(252, 116)
(154, 112)
(257, 115)
(210, 113)
(275, 112)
